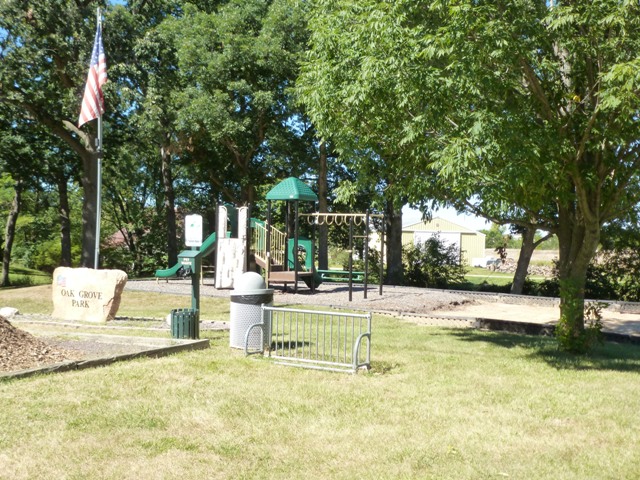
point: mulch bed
(20, 350)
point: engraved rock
(87, 294)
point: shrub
(373, 274)
(433, 264)
(622, 268)
(46, 255)
(601, 283)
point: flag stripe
(93, 100)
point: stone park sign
(87, 294)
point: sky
(410, 216)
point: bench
(341, 276)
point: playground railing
(259, 244)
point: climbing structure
(272, 250)
(231, 248)
(361, 221)
(279, 256)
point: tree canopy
(199, 108)
(525, 112)
(529, 107)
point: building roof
(438, 224)
(292, 189)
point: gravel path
(419, 303)
(393, 299)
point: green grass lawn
(25, 277)
(442, 404)
(478, 276)
(37, 300)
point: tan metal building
(470, 244)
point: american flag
(93, 101)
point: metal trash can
(246, 310)
(185, 323)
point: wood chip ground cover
(20, 350)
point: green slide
(205, 249)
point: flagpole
(98, 177)
(98, 190)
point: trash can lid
(250, 282)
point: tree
(45, 48)
(529, 244)
(9, 234)
(237, 65)
(534, 108)
(494, 236)
(18, 161)
(498, 240)
(153, 111)
(44, 58)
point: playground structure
(250, 240)
(352, 220)
(271, 247)
(277, 256)
(230, 253)
(177, 270)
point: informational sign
(193, 230)
(86, 294)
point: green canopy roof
(292, 189)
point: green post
(195, 291)
(192, 262)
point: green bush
(373, 274)
(622, 269)
(46, 256)
(602, 283)
(433, 264)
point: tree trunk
(578, 241)
(89, 207)
(84, 144)
(10, 232)
(526, 251)
(395, 271)
(169, 206)
(65, 222)
(323, 207)
(250, 195)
